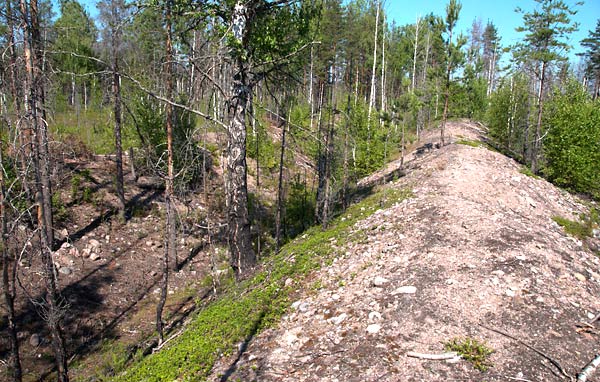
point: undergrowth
(582, 228)
(245, 309)
(471, 350)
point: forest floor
(109, 272)
(474, 255)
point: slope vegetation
(474, 256)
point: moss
(527, 171)
(471, 350)
(245, 309)
(582, 228)
(468, 142)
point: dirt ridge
(474, 248)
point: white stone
(338, 319)
(380, 281)
(374, 316)
(373, 328)
(94, 243)
(94, 256)
(407, 289)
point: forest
(250, 122)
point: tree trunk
(117, 131)
(414, 68)
(447, 88)
(538, 127)
(372, 94)
(34, 87)
(9, 268)
(279, 214)
(170, 239)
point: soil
(474, 254)
(109, 271)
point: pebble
(35, 340)
(579, 276)
(373, 328)
(407, 289)
(338, 319)
(65, 270)
(94, 243)
(374, 316)
(94, 256)
(380, 281)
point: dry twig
(433, 357)
(589, 369)
(553, 361)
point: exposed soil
(474, 253)
(109, 271)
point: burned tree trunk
(53, 311)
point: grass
(582, 228)
(245, 309)
(468, 142)
(527, 171)
(471, 350)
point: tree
(491, 54)
(75, 36)
(264, 36)
(592, 55)
(453, 55)
(113, 14)
(34, 107)
(546, 29)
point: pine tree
(592, 55)
(546, 29)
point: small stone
(94, 243)
(87, 251)
(338, 319)
(335, 297)
(35, 340)
(591, 315)
(74, 252)
(510, 293)
(64, 233)
(596, 233)
(579, 276)
(289, 282)
(94, 256)
(66, 245)
(374, 316)
(149, 243)
(65, 270)
(380, 281)
(407, 289)
(373, 328)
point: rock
(338, 319)
(94, 243)
(593, 244)
(149, 243)
(596, 233)
(374, 316)
(65, 270)
(407, 289)
(510, 293)
(579, 276)
(380, 281)
(289, 282)
(87, 251)
(74, 252)
(66, 245)
(94, 256)
(373, 328)
(64, 233)
(35, 340)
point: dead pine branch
(553, 361)
(433, 357)
(589, 369)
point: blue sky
(500, 12)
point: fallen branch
(589, 369)
(554, 362)
(433, 357)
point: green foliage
(299, 208)
(507, 115)
(582, 228)
(188, 156)
(471, 350)
(260, 142)
(572, 145)
(468, 142)
(257, 303)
